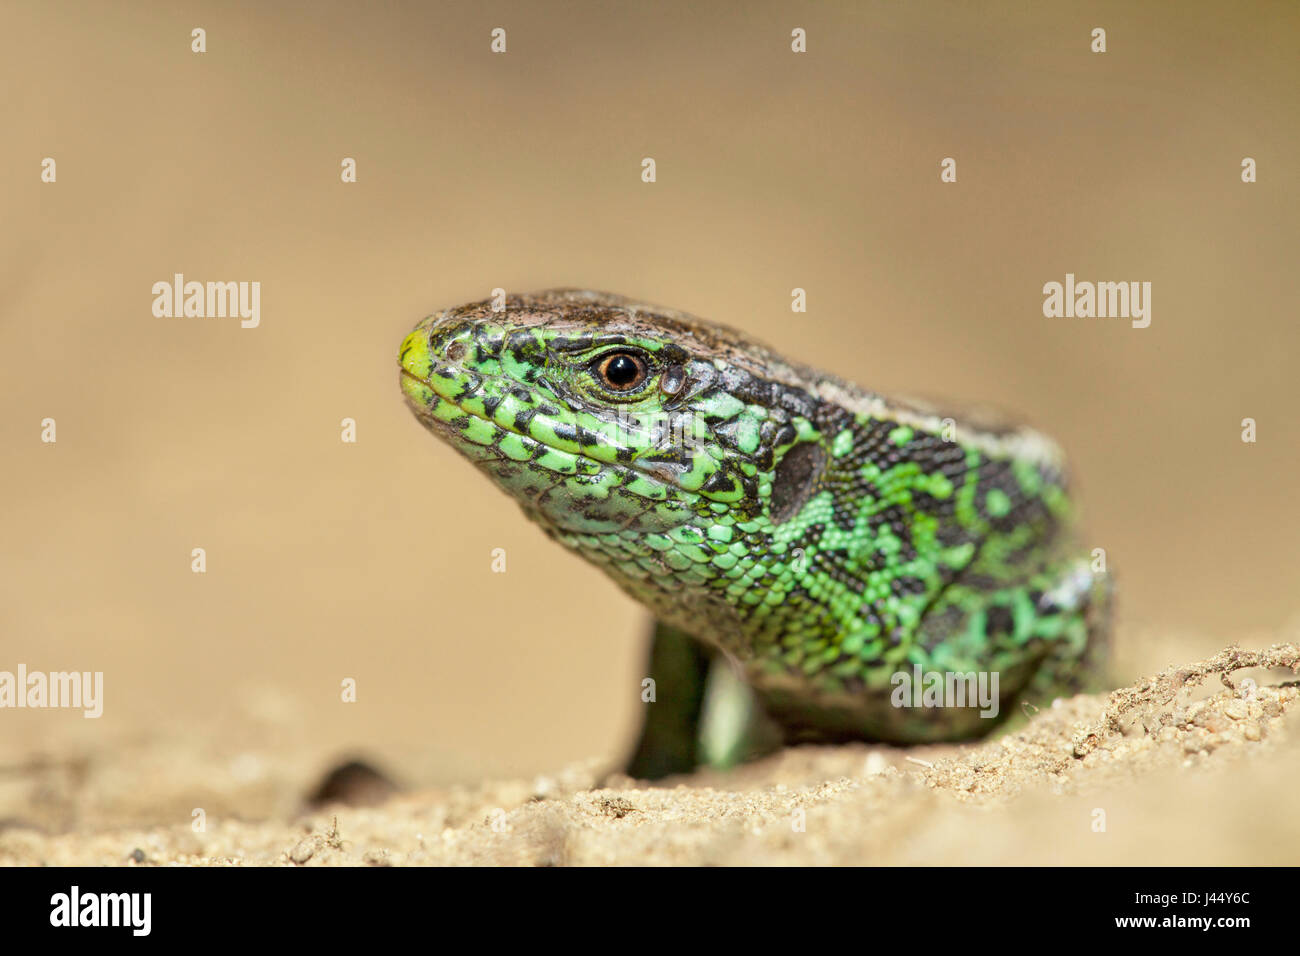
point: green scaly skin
(823, 538)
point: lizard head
(707, 476)
(612, 420)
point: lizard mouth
(601, 494)
(575, 494)
(489, 417)
(456, 403)
(532, 441)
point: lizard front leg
(702, 712)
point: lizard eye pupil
(622, 371)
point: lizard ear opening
(795, 479)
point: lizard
(819, 541)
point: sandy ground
(1197, 764)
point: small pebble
(355, 784)
(304, 851)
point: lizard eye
(621, 371)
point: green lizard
(829, 544)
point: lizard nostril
(456, 351)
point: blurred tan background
(372, 561)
